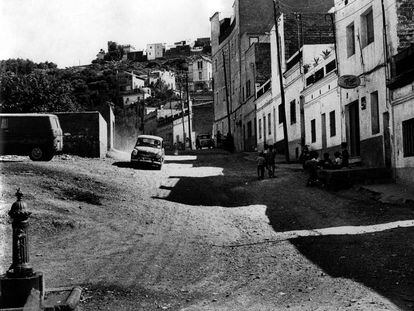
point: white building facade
(155, 50)
(322, 107)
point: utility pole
(227, 94)
(282, 89)
(189, 111)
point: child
(338, 160)
(326, 162)
(261, 164)
(312, 168)
(270, 161)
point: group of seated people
(341, 160)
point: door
(4, 135)
(353, 129)
(264, 130)
(387, 139)
(324, 143)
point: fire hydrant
(20, 282)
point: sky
(71, 32)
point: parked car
(148, 149)
(37, 135)
(204, 141)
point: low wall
(84, 133)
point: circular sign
(349, 81)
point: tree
(36, 92)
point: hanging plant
(306, 68)
(316, 61)
(326, 53)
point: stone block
(15, 292)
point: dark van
(37, 135)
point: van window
(55, 123)
(4, 123)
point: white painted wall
(403, 109)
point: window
(4, 123)
(332, 123)
(269, 124)
(293, 112)
(319, 75)
(375, 126)
(242, 93)
(249, 129)
(281, 114)
(260, 128)
(200, 75)
(330, 66)
(313, 130)
(367, 27)
(408, 138)
(200, 65)
(253, 40)
(350, 39)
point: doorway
(387, 139)
(353, 130)
(324, 142)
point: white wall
(403, 109)
(265, 105)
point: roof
(27, 115)
(150, 136)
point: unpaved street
(204, 234)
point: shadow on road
(125, 164)
(381, 259)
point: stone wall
(307, 28)
(405, 26)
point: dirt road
(204, 234)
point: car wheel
(36, 154)
(159, 167)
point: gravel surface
(204, 234)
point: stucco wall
(103, 136)
(85, 133)
(403, 109)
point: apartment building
(230, 39)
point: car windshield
(148, 142)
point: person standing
(261, 164)
(271, 157)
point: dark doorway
(324, 142)
(387, 139)
(353, 129)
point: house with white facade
(322, 107)
(302, 38)
(155, 50)
(369, 32)
(360, 46)
(200, 73)
(164, 76)
(265, 134)
(402, 101)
